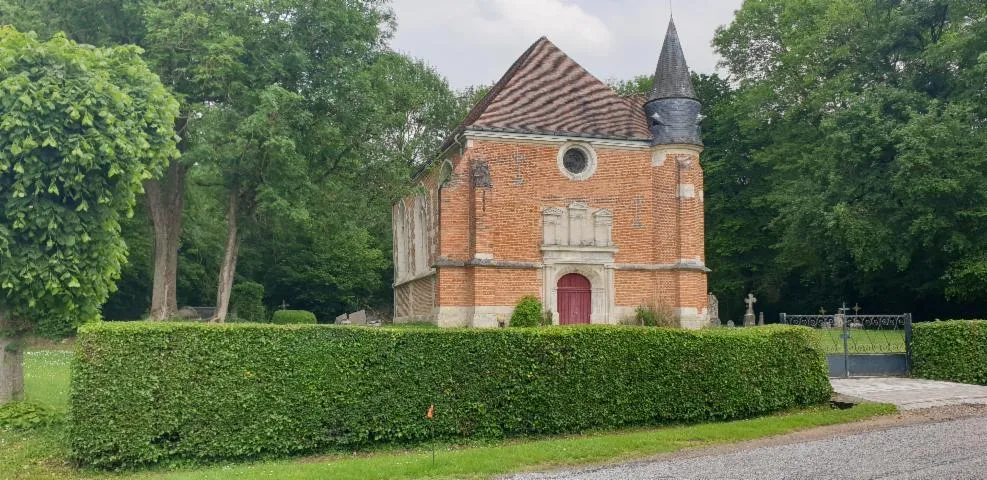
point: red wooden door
(574, 299)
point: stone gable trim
(486, 134)
(689, 266)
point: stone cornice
(473, 133)
(479, 262)
(694, 266)
(687, 266)
(402, 281)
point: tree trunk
(165, 200)
(11, 364)
(228, 270)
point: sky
(473, 42)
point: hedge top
(148, 326)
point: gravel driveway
(955, 449)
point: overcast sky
(473, 42)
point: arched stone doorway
(574, 299)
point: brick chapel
(556, 186)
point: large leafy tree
(869, 118)
(221, 54)
(80, 129)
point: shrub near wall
(147, 392)
(955, 350)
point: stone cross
(518, 162)
(856, 309)
(284, 305)
(750, 301)
(638, 207)
(749, 319)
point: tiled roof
(547, 92)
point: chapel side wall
(415, 225)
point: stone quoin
(555, 176)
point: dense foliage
(528, 313)
(297, 121)
(954, 350)
(287, 317)
(145, 392)
(247, 302)
(80, 129)
(846, 153)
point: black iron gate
(861, 345)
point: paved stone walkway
(910, 393)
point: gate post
(841, 318)
(908, 343)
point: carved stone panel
(552, 220)
(603, 228)
(580, 232)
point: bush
(247, 300)
(528, 313)
(145, 392)
(286, 317)
(27, 415)
(654, 315)
(954, 350)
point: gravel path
(955, 449)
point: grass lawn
(862, 341)
(39, 454)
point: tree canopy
(80, 129)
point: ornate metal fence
(877, 343)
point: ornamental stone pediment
(577, 225)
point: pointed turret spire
(673, 108)
(672, 77)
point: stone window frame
(590, 161)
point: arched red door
(574, 299)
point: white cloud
(474, 41)
(562, 22)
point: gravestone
(342, 320)
(359, 318)
(749, 318)
(760, 319)
(730, 324)
(714, 311)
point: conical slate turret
(672, 77)
(673, 110)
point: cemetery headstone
(730, 324)
(359, 318)
(714, 311)
(749, 318)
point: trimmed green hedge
(144, 392)
(955, 350)
(289, 317)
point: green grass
(46, 377)
(40, 454)
(862, 341)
